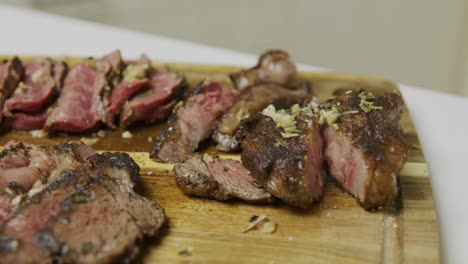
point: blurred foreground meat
(10, 76)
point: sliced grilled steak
(10, 76)
(28, 169)
(28, 225)
(37, 89)
(164, 87)
(273, 66)
(119, 222)
(366, 151)
(284, 154)
(135, 78)
(211, 177)
(27, 122)
(250, 101)
(115, 67)
(193, 122)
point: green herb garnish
(81, 198)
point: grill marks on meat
(27, 107)
(368, 151)
(89, 214)
(250, 101)
(26, 170)
(289, 168)
(273, 66)
(156, 102)
(10, 76)
(211, 177)
(192, 122)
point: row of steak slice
(95, 92)
(82, 209)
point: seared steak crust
(212, 177)
(250, 101)
(193, 122)
(289, 168)
(367, 151)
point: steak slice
(27, 122)
(119, 220)
(273, 66)
(79, 107)
(211, 177)
(59, 71)
(26, 169)
(193, 122)
(135, 78)
(250, 101)
(283, 150)
(365, 150)
(164, 87)
(10, 76)
(43, 206)
(37, 89)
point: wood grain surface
(335, 230)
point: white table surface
(441, 119)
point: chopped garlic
(22, 88)
(283, 120)
(39, 133)
(37, 75)
(89, 141)
(127, 135)
(268, 227)
(101, 133)
(262, 223)
(150, 139)
(367, 102)
(135, 72)
(329, 117)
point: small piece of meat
(273, 66)
(79, 107)
(26, 169)
(193, 122)
(163, 87)
(228, 134)
(27, 122)
(367, 150)
(115, 67)
(290, 168)
(10, 76)
(211, 177)
(38, 88)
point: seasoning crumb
(326, 206)
(290, 238)
(395, 225)
(89, 141)
(226, 168)
(186, 252)
(335, 207)
(262, 223)
(87, 247)
(416, 147)
(150, 139)
(38, 133)
(101, 133)
(126, 134)
(149, 173)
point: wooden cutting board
(336, 230)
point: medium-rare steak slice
(211, 177)
(41, 207)
(26, 170)
(10, 76)
(193, 122)
(134, 79)
(163, 87)
(27, 122)
(283, 150)
(37, 89)
(250, 101)
(365, 149)
(273, 66)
